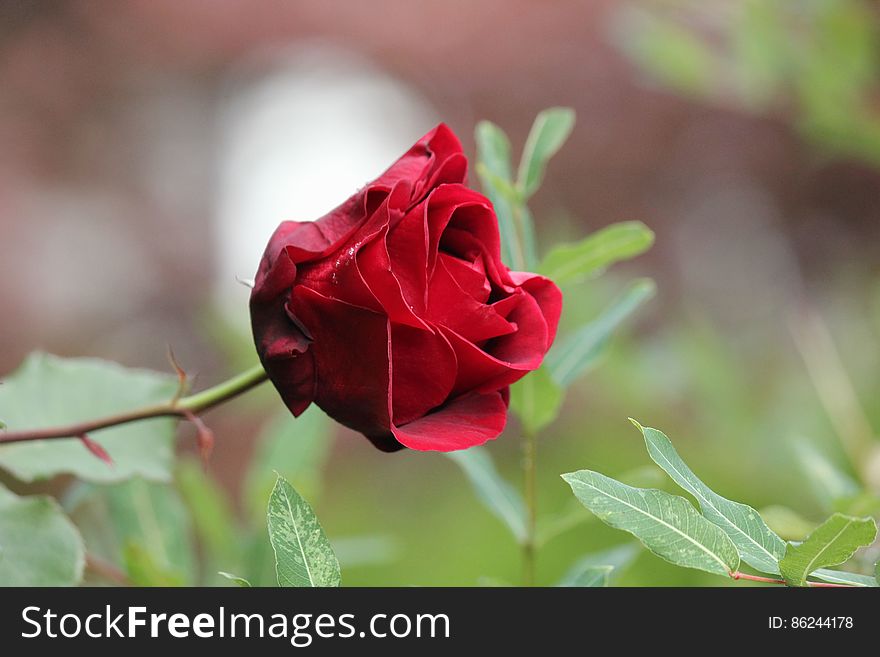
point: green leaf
(239, 581)
(618, 559)
(303, 556)
(536, 399)
(39, 545)
(140, 526)
(297, 449)
(668, 525)
(831, 543)
(212, 515)
(48, 391)
(592, 577)
(591, 256)
(492, 490)
(549, 132)
(494, 170)
(843, 577)
(578, 352)
(757, 545)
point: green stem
(224, 391)
(184, 408)
(529, 544)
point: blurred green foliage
(814, 63)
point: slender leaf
(592, 577)
(494, 170)
(493, 491)
(39, 545)
(48, 391)
(303, 556)
(592, 255)
(831, 543)
(843, 577)
(235, 579)
(757, 545)
(536, 399)
(551, 129)
(617, 559)
(212, 516)
(578, 352)
(668, 525)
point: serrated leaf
(843, 577)
(549, 132)
(297, 449)
(494, 171)
(579, 351)
(48, 391)
(39, 545)
(831, 543)
(536, 399)
(668, 525)
(235, 579)
(592, 255)
(758, 546)
(492, 490)
(303, 556)
(140, 526)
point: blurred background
(148, 149)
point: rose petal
(470, 276)
(281, 344)
(375, 264)
(450, 306)
(351, 390)
(530, 342)
(465, 422)
(482, 372)
(425, 158)
(407, 244)
(548, 296)
(423, 368)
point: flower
(394, 312)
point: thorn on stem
(96, 449)
(204, 437)
(182, 378)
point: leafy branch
(186, 408)
(723, 533)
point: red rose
(394, 312)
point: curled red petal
(465, 422)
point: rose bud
(394, 313)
